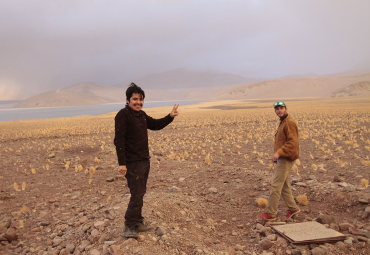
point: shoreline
(228, 104)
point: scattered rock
(345, 226)
(83, 245)
(94, 252)
(174, 189)
(70, 247)
(341, 245)
(130, 242)
(365, 198)
(326, 219)
(11, 234)
(115, 250)
(272, 237)
(160, 231)
(334, 226)
(265, 244)
(348, 242)
(99, 224)
(57, 241)
(94, 232)
(44, 223)
(312, 177)
(350, 188)
(296, 179)
(64, 252)
(338, 179)
(318, 251)
(212, 190)
(119, 177)
(110, 179)
(282, 242)
(301, 184)
(83, 220)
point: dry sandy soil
(207, 169)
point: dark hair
(133, 88)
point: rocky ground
(60, 191)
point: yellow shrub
(302, 199)
(261, 202)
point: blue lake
(8, 113)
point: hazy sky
(45, 45)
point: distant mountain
(299, 75)
(357, 89)
(317, 86)
(91, 93)
(87, 93)
(183, 78)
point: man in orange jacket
(286, 151)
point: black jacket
(131, 134)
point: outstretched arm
(157, 124)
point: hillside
(356, 89)
(87, 93)
(295, 87)
(318, 86)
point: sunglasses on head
(279, 104)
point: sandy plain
(60, 191)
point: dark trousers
(137, 176)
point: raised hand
(174, 111)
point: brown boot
(130, 232)
(141, 227)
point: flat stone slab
(308, 232)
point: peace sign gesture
(174, 111)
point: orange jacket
(286, 139)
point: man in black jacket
(131, 141)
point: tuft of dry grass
(365, 163)
(25, 210)
(16, 187)
(302, 199)
(207, 160)
(295, 169)
(364, 183)
(261, 202)
(92, 170)
(78, 168)
(171, 156)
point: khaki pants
(281, 187)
